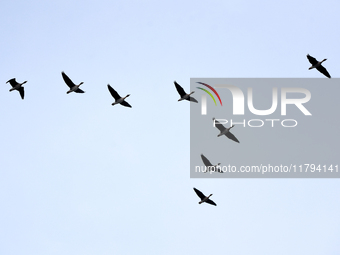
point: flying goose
(183, 94)
(73, 87)
(210, 166)
(225, 131)
(17, 86)
(204, 198)
(117, 97)
(316, 64)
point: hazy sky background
(79, 176)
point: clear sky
(79, 176)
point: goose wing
(323, 70)
(22, 92)
(13, 82)
(205, 160)
(199, 193)
(312, 60)
(192, 99)
(68, 80)
(232, 137)
(210, 202)
(219, 125)
(79, 91)
(114, 93)
(126, 104)
(180, 90)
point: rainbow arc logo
(218, 96)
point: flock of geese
(183, 96)
(73, 88)
(226, 131)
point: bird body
(225, 131)
(118, 98)
(204, 199)
(183, 94)
(73, 87)
(76, 89)
(17, 86)
(318, 65)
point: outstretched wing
(180, 90)
(13, 82)
(22, 92)
(232, 137)
(192, 99)
(205, 160)
(68, 80)
(114, 93)
(219, 125)
(199, 193)
(312, 60)
(323, 70)
(126, 104)
(210, 202)
(79, 91)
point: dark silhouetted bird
(316, 64)
(211, 167)
(183, 94)
(17, 86)
(73, 87)
(118, 98)
(225, 131)
(204, 198)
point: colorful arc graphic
(210, 93)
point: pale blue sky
(79, 176)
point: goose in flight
(204, 198)
(73, 87)
(183, 94)
(225, 131)
(17, 86)
(316, 64)
(118, 98)
(211, 167)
